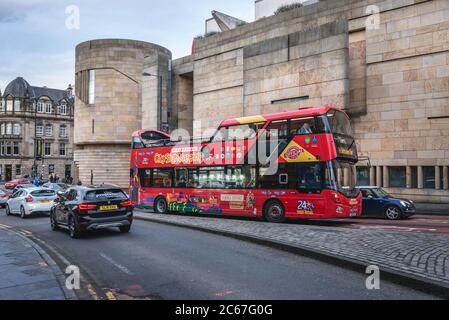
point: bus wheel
(274, 211)
(160, 206)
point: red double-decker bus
(297, 164)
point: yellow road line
(92, 292)
(110, 295)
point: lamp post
(160, 81)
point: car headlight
(405, 204)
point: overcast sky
(37, 45)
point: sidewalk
(24, 273)
(432, 209)
(422, 258)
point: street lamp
(160, 80)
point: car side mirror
(370, 197)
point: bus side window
(302, 126)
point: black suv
(81, 209)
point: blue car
(378, 203)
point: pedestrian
(79, 183)
(36, 182)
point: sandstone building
(36, 131)
(386, 62)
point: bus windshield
(342, 177)
(339, 123)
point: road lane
(163, 262)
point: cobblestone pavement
(24, 274)
(424, 256)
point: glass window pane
(429, 177)
(363, 176)
(162, 178)
(91, 86)
(398, 177)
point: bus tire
(274, 211)
(161, 206)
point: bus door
(310, 185)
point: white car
(31, 201)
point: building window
(47, 148)
(17, 129)
(63, 131)
(40, 107)
(16, 105)
(18, 170)
(91, 86)
(16, 149)
(8, 148)
(398, 177)
(62, 149)
(3, 129)
(9, 129)
(63, 108)
(48, 108)
(2, 148)
(48, 130)
(39, 130)
(363, 176)
(429, 177)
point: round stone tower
(109, 77)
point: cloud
(17, 10)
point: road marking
(395, 228)
(110, 295)
(92, 292)
(116, 264)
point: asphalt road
(162, 262)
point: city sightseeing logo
(293, 153)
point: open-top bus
(297, 164)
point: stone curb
(409, 280)
(57, 272)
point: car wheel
(73, 229)
(22, 213)
(161, 206)
(8, 212)
(53, 223)
(125, 229)
(393, 213)
(274, 211)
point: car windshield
(43, 193)
(101, 195)
(381, 193)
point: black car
(82, 209)
(378, 203)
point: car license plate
(45, 201)
(108, 208)
(353, 212)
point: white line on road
(116, 264)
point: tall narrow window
(48, 130)
(47, 149)
(91, 86)
(9, 128)
(17, 129)
(39, 130)
(63, 131)
(62, 149)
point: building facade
(385, 62)
(110, 104)
(36, 131)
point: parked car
(23, 186)
(14, 183)
(3, 198)
(30, 201)
(378, 203)
(82, 209)
(57, 186)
